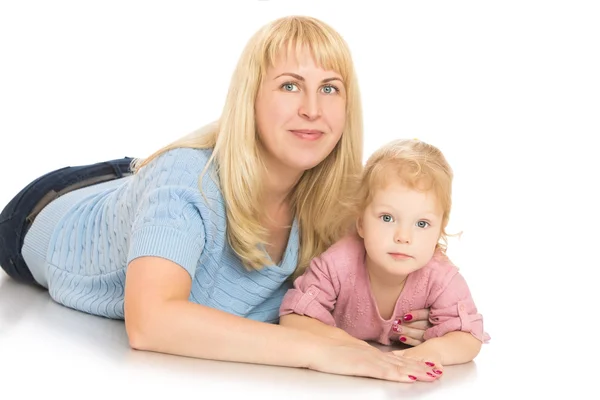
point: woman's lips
(307, 134)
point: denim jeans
(18, 215)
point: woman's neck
(279, 183)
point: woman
(194, 247)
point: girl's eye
(387, 218)
(422, 224)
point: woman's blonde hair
(418, 165)
(319, 201)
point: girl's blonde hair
(319, 199)
(418, 165)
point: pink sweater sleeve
(453, 309)
(314, 293)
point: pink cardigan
(335, 290)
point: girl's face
(401, 228)
(300, 113)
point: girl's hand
(410, 328)
(343, 358)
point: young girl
(365, 284)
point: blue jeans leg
(18, 215)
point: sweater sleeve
(453, 309)
(168, 219)
(314, 293)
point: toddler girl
(363, 286)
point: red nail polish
(430, 364)
(414, 378)
(398, 321)
(402, 339)
(437, 371)
(395, 328)
(408, 317)
(430, 374)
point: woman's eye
(289, 87)
(329, 89)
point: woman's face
(300, 113)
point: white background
(509, 90)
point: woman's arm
(318, 328)
(159, 317)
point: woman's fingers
(399, 368)
(358, 360)
(412, 370)
(437, 369)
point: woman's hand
(345, 358)
(425, 355)
(411, 327)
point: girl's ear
(359, 227)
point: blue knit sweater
(80, 244)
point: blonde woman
(195, 246)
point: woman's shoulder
(181, 166)
(182, 158)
